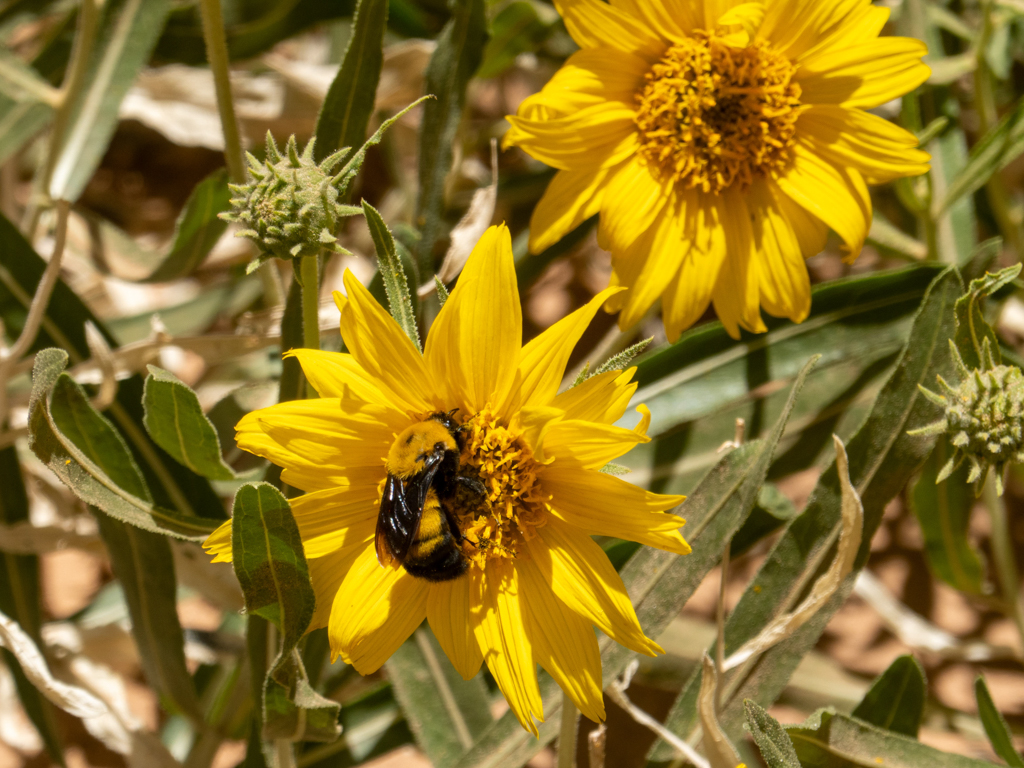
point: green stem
(309, 276)
(567, 733)
(988, 114)
(234, 157)
(1003, 555)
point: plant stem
(567, 733)
(1003, 555)
(309, 277)
(234, 158)
(285, 753)
(988, 113)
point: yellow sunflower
(719, 141)
(537, 582)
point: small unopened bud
(290, 207)
(984, 419)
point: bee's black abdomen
(443, 564)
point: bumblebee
(414, 526)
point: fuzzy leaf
(393, 274)
(176, 422)
(996, 729)
(770, 737)
(896, 698)
(972, 329)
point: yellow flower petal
(542, 361)
(326, 574)
(453, 612)
(794, 26)
(594, 445)
(218, 543)
(475, 341)
(784, 282)
(602, 398)
(597, 137)
(595, 24)
(563, 642)
(633, 201)
(383, 350)
(596, 503)
(671, 19)
(829, 194)
(571, 198)
(582, 577)
(505, 646)
(880, 150)
(334, 374)
(591, 77)
(865, 75)
(374, 611)
(336, 518)
(863, 23)
(737, 294)
(811, 232)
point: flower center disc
(710, 116)
(499, 525)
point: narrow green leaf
(127, 35)
(944, 512)
(348, 105)
(770, 737)
(772, 511)
(391, 271)
(446, 713)
(271, 567)
(91, 458)
(996, 729)
(144, 565)
(882, 458)
(19, 599)
(996, 149)
(622, 361)
(896, 699)
(196, 231)
(659, 583)
(828, 739)
(972, 329)
(458, 54)
(517, 29)
(176, 422)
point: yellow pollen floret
(515, 505)
(711, 116)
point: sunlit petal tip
(340, 299)
(218, 543)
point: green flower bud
(984, 419)
(290, 206)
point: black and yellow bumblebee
(415, 527)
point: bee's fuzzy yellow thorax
(406, 455)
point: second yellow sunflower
(719, 141)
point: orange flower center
(711, 116)
(500, 524)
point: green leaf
(957, 224)
(173, 486)
(831, 740)
(391, 271)
(144, 565)
(972, 329)
(127, 34)
(882, 458)
(90, 457)
(996, 149)
(770, 737)
(196, 231)
(659, 583)
(698, 387)
(944, 512)
(348, 105)
(271, 567)
(176, 422)
(896, 699)
(446, 713)
(996, 729)
(458, 54)
(19, 599)
(772, 511)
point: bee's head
(448, 421)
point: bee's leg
(473, 484)
(453, 526)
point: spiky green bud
(290, 207)
(984, 419)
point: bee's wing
(401, 508)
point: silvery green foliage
(290, 207)
(984, 417)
